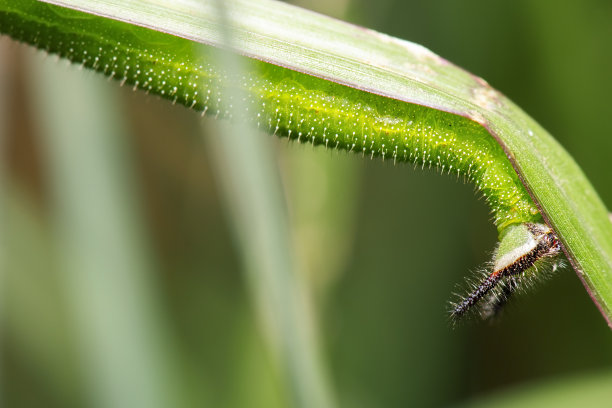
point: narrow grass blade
(251, 184)
(124, 347)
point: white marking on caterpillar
(522, 249)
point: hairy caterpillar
(290, 104)
(525, 249)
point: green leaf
(589, 389)
(402, 73)
(111, 295)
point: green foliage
(359, 322)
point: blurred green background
(123, 280)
